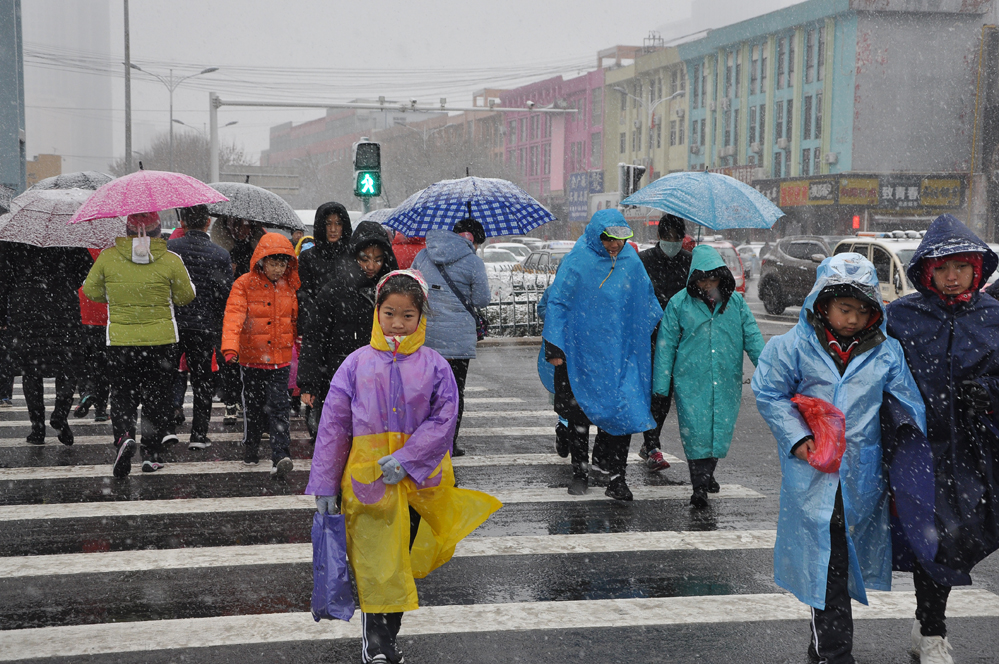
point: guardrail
(515, 315)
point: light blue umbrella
(712, 200)
(500, 206)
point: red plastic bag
(828, 425)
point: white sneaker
(916, 641)
(934, 650)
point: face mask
(671, 249)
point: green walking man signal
(367, 169)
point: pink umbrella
(146, 191)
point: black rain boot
(580, 475)
(37, 435)
(618, 489)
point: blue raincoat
(601, 313)
(796, 363)
(945, 345)
(700, 350)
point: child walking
(833, 540)
(383, 445)
(258, 332)
(703, 334)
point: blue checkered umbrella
(500, 206)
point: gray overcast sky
(439, 35)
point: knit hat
(148, 221)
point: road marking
(494, 400)
(232, 556)
(36, 473)
(469, 388)
(512, 413)
(48, 409)
(108, 509)
(84, 640)
(216, 436)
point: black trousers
(34, 397)
(702, 471)
(265, 407)
(832, 627)
(142, 374)
(8, 366)
(660, 409)
(460, 369)
(93, 374)
(198, 346)
(931, 603)
(379, 630)
(609, 452)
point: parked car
(520, 251)
(750, 255)
(890, 253)
(787, 271)
(493, 255)
(529, 242)
(538, 269)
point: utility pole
(128, 97)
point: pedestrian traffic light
(628, 177)
(367, 169)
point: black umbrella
(247, 201)
(91, 180)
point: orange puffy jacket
(261, 317)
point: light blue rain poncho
(700, 350)
(796, 363)
(601, 312)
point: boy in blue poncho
(833, 540)
(600, 315)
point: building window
(820, 55)
(623, 141)
(572, 158)
(523, 160)
(806, 161)
(624, 102)
(535, 122)
(704, 131)
(672, 133)
(781, 60)
(778, 164)
(763, 123)
(510, 157)
(655, 90)
(754, 74)
(790, 61)
(683, 79)
(511, 135)
(727, 122)
(596, 145)
(810, 56)
(637, 139)
(735, 129)
(547, 158)
(534, 160)
(674, 81)
(779, 120)
(738, 73)
(694, 86)
(680, 128)
(790, 116)
(704, 85)
(659, 133)
(597, 104)
(523, 130)
(752, 125)
(818, 115)
(638, 94)
(729, 62)
(763, 68)
(806, 131)
(817, 161)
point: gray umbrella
(90, 180)
(6, 195)
(378, 216)
(247, 201)
(41, 218)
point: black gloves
(975, 398)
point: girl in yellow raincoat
(384, 444)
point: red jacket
(261, 317)
(406, 248)
(93, 313)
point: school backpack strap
(481, 324)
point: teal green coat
(701, 351)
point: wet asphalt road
(601, 600)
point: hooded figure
(951, 344)
(240, 249)
(802, 361)
(699, 348)
(320, 264)
(346, 303)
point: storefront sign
(596, 182)
(884, 192)
(941, 192)
(577, 195)
(858, 191)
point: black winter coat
(40, 287)
(668, 275)
(211, 273)
(945, 345)
(345, 310)
(316, 266)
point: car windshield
(557, 258)
(498, 256)
(904, 256)
(731, 259)
(518, 250)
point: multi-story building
(848, 113)
(12, 135)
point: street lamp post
(172, 85)
(650, 110)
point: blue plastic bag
(332, 594)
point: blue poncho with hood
(946, 344)
(601, 313)
(797, 363)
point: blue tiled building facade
(12, 137)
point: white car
(492, 256)
(890, 253)
(520, 251)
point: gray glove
(392, 470)
(326, 505)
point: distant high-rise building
(69, 112)
(12, 134)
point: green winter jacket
(701, 351)
(140, 297)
